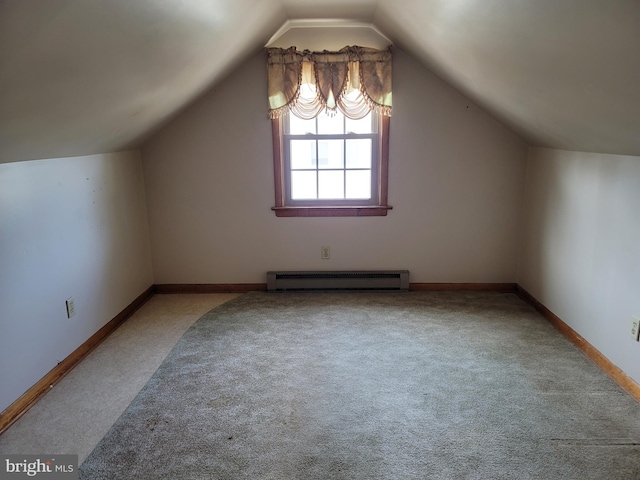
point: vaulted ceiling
(91, 76)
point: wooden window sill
(346, 211)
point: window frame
(331, 208)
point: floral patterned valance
(355, 80)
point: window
(332, 164)
(330, 118)
(330, 158)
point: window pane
(363, 125)
(298, 126)
(359, 184)
(328, 125)
(303, 154)
(331, 184)
(303, 185)
(359, 153)
(330, 153)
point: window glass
(330, 124)
(304, 185)
(358, 184)
(303, 154)
(358, 153)
(330, 153)
(331, 184)
(299, 126)
(364, 125)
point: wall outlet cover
(71, 307)
(635, 329)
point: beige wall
(581, 246)
(69, 227)
(456, 179)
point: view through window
(331, 159)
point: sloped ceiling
(80, 77)
(91, 76)
(563, 73)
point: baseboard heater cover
(339, 280)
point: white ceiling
(80, 77)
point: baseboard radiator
(339, 280)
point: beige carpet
(361, 385)
(77, 412)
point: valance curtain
(355, 80)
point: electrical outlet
(635, 328)
(325, 253)
(71, 308)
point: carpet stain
(152, 423)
